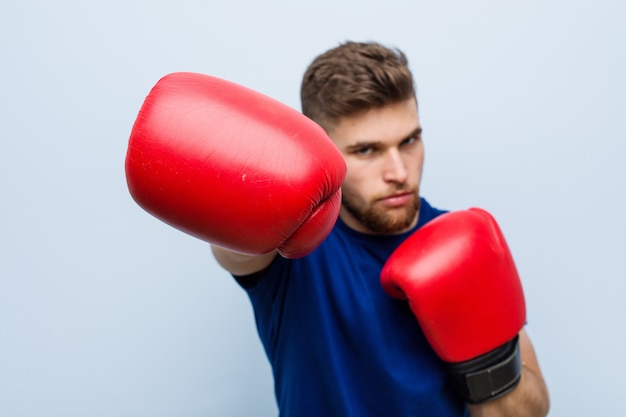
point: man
(338, 344)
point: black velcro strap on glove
(489, 376)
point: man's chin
(402, 225)
(393, 222)
(402, 220)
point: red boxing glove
(459, 278)
(233, 167)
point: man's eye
(364, 151)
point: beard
(380, 220)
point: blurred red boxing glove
(233, 167)
(459, 278)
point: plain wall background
(105, 311)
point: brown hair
(354, 77)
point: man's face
(384, 154)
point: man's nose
(395, 168)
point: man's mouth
(398, 199)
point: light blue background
(105, 311)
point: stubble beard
(378, 219)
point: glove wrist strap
(489, 376)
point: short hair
(354, 77)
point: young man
(262, 186)
(338, 345)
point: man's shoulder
(428, 212)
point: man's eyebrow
(416, 132)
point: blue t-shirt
(338, 344)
